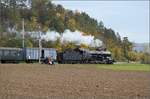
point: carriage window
(0, 53)
(13, 53)
(6, 53)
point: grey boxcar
(33, 53)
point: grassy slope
(132, 67)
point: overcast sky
(129, 18)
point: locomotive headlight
(109, 58)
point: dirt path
(35, 80)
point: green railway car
(12, 55)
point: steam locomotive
(69, 56)
(84, 56)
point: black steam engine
(83, 56)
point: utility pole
(23, 33)
(40, 45)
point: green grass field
(130, 67)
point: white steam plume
(51, 36)
(75, 37)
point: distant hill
(141, 47)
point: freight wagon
(32, 54)
(14, 55)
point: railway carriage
(14, 55)
(10, 54)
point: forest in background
(46, 15)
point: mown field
(74, 81)
(126, 67)
(118, 67)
